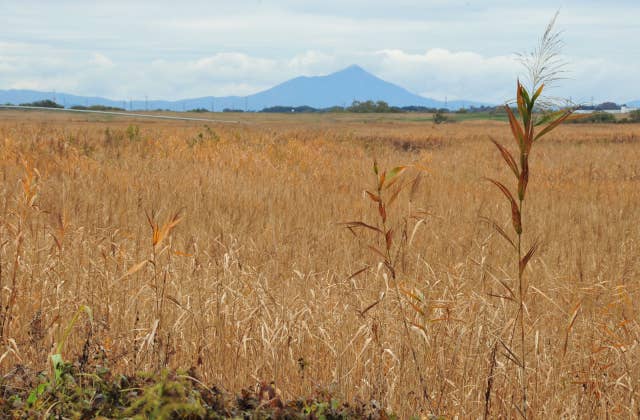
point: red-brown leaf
(508, 157)
(525, 260)
(500, 231)
(383, 212)
(515, 212)
(377, 251)
(381, 180)
(523, 179)
(516, 129)
(351, 225)
(373, 196)
(388, 237)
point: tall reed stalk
(543, 66)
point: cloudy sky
(436, 48)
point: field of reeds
(246, 253)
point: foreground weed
(158, 335)
(387, 188)
(57, 361)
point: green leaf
(525, 97)
(548, 117)
(58, 363)
(67, 331)
(554, 124)
(395, 172)
(36, 393)
(537, 94)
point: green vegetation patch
(72, 392)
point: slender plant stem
(523, 361)
(405, 324)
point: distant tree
(198, 110)
(382, 106)
(634, 116)
(361, 107)
(43, 104)
(608, 106)
(602, 117)
(97, 108)
(277, 109)
(417, 108)
(334, 109)
(481, 108)
(595, 118)
(371, 106)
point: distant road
(122, 114)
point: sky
(458, 49)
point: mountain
(634, 104)
(340, 88)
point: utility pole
(146, 103)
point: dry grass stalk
(265, 279)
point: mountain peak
(353, 69)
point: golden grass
(254, 282)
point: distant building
(625, 109)
(608, 107)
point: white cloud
(457, 48)
(312, 63)
(101, 60)
(441, 73)
(436, 73)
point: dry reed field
(251, 253)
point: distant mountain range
(337, 89)
(634, 104)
